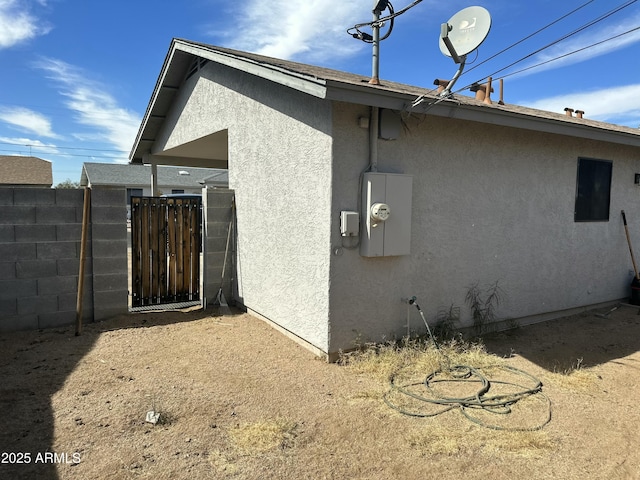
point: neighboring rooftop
(125, 175)
(25, 171)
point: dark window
(177, 191)
(593, 190)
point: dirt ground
(239, 400)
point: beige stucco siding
(280, 169)
(489, 204)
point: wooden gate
(165, 250)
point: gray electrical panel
(386, 214)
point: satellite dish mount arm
(459, 59)
(447, 91)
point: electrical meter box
(386, 214)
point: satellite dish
(465, 31)
(461, 35)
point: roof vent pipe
(501, 101)
(568, 112)
(479, 90)
(441, 84)
(579, 113)
(487, 97)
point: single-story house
(19, 171)
(353, 197)
(137, 179)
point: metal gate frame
(165, 250)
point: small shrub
(446, 320)
(484, 305)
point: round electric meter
(380, 212)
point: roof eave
(540, 124)
(305, 83)
(450, 108)
(298, 81)
(148, 113)
(364, 94)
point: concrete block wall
(40, 235)
(109, 252)
(218, 214)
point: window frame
(590, 204)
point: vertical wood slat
(171, 241)
(179, 251)
(135, 252)
(186, 260)
(162, 250)
(195, 251)
(145, 270)
(154, 241)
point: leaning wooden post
(83, 246)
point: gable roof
(134, 176)
(342, 86)
(28, 171)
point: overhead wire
(571, 53)
(62, 148)
(540, 30)
(555, 42)
(430, 105)
(365, 37)
(54, 150)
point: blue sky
(77, 75)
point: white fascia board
(152, 101)
(451, 109)
(304, 83)
(169, 160)
(539, 124)
(362, 95)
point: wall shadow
(33, 366)
(588, 339)
(166, 317)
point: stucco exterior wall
(280, 170)
(489, 204)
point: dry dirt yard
(239, 400)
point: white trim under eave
(483, 114)
(538, 124)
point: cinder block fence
(40, 236)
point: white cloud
(30, 147)
(614, 104)
(28, 121)
(93, 106)
(289, 28)
(17, 24)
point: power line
(432, 104)
(572, 53)
(382, 6)
(88, 155)
(564, 37)
(531, 35)
(56, 147)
